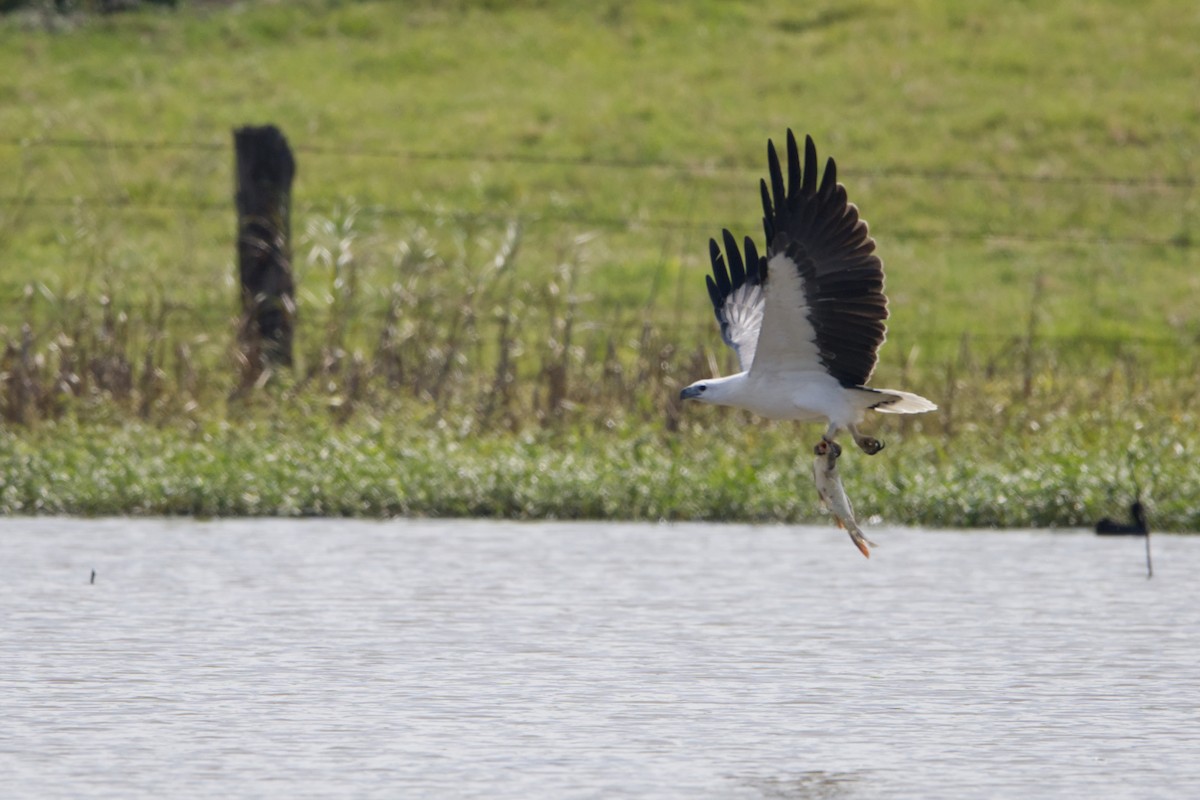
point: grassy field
(501, 220)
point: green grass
(303, 466)
(1073, 90)
(1027, 171)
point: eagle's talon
(869, 444)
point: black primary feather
(819, 230)
(726, 280)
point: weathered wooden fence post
(265, 169)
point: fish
(833, 494)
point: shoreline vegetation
(475, 397)
(487, 329)
(298, 469)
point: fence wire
(632, 164)
(541, 218)
(1182, 183)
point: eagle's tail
(893, 401)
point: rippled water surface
(457, 659)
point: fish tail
(861, 544)
(860, 541)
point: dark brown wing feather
(820, 232)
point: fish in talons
(833, 494)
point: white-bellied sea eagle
(807, 318)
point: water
(476, 659)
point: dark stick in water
(1149, 565)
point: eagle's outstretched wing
(737, 296)
(824, 284)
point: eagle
(806, 318)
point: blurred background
(501, 210)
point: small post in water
(1149, 564)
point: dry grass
(464, 337)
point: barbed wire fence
(579, 161)
(1182, 183)
(1185, 185)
